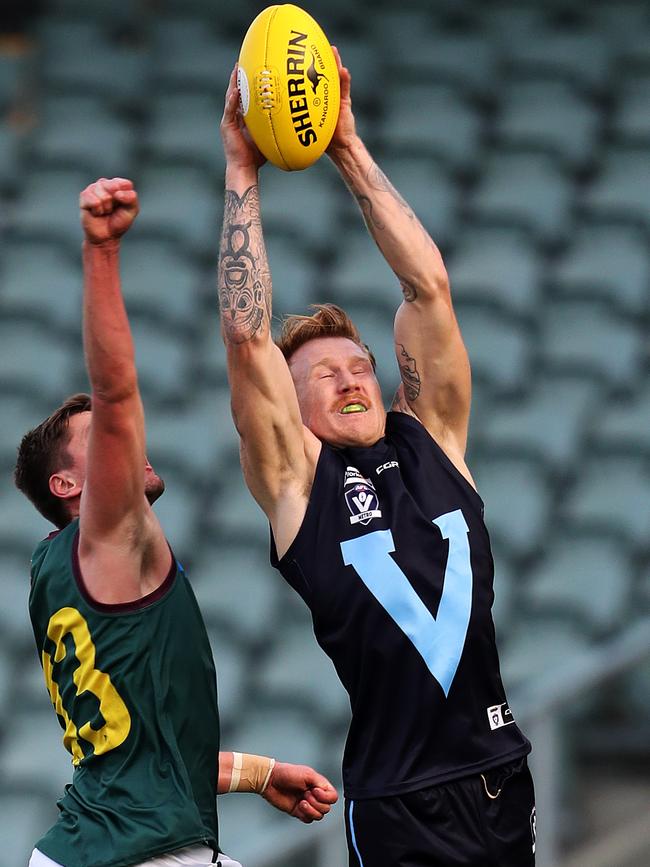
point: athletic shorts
(191, 856)
(487, 820)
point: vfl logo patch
(361, 497)
(500, 715)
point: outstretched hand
(300, 791)
(108, 208)
(345, 131)
(239, 148)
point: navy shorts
(487, 820)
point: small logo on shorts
(533, 827)
(499, 715)
(361, 497)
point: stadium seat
(234, 515)
(631, 120)
(37, 361)
(11, 79)
(611, 493)
(633, 52)
(14, 616)
(33, 754)
(178, 511)
(361, 59)
(620, 20)
(298, 669)
(549, 423)
(41, 282)
(191, 436)
(303, 205)
(161, 282)
(585, 337)
(587, 578)
(284, 732)
(497, 267)
(526, 189)
(506, 581)
(443, 58)
(390, 26)
(547, 115)
(9, 157)
(21, 413)
(518, 501)
(178, 206)
(101, 12)
(621, 190)
(163, 359)
(249, 828)
(500, 349)
(295, 275)
(224, 574)
(79, 132)
(578, 57)
(360, 271)
(183, 127)
(621, 427)
(59, 37)
(431, 120)
(48, 207)
(607, 261)
(121, 75)
(202, 66)
(510, 22)
(24, 817)
(537, 650)
(232, 665)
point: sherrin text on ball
(288, 84)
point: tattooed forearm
(372, 222)
(408, 289)
(378, 181)
(244, 278)
(409, 372)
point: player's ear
(64, 484)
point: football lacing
(265, 89)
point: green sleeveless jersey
(134, 689)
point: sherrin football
(288, 84)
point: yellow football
(288, 84)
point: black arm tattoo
(378, 181)
(408, 289)
(409, 373)
(244, 277)
(371, 221)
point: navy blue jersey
(394, 561)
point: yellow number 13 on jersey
(87, 678)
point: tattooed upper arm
(409, 372)
(244, 276)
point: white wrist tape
(250, 773)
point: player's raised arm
(430, 352)
(115, 520)
(277, 452)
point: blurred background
(519, 131)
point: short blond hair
(328, 320)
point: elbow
(115, 391)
